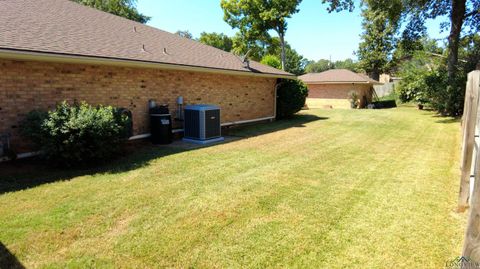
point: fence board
(471, 247)
(469, 127)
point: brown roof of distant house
(336, 76)
(61, 27)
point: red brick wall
(40, 85)
(339, 91)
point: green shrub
(431, 86)
(425, 81)
(291, 96)
(447, 97)
(411, 88)
(413, 85)
(77, 134)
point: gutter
(341, 82)
(27, 55)
(275, 100)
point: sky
(312, 32)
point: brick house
(333, 87)
(54, 50)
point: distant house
(54, 50)
(332, 87)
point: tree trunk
(456, 18)
(375, 74)
(282, 44)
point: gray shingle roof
(68, 28)
(337, 76)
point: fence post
(471, 246)
(468, 136)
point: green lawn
(327, 189)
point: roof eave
(26, 55)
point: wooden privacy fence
(469, 196)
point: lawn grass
(327, 189)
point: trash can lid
(159, 110)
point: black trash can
(160, 125)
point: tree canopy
(324, 65)
(294, 62)
(318, 66)
(217, 40)
(271, 60)
(122, 8)
(241, 45)
(464, 18)
(380, 24)
(255, 18)
(348, 64)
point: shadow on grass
(29, 173)
(445, 118)
(449, 120)
(8, 260)
(297, 121)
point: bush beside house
(291, 96)
(77, 134)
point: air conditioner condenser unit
(202, 124)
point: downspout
(277, 84)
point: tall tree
(464, 16)
(255, 18)
(470, 52)
(220, 41)
(380, 24)
(294, 62)
(122, 8)
(411, 40)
